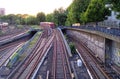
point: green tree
(49, 17)
(59, 16)
(19, 19)
(31, 20)
(55, 16)
(24, 19)
(95, 12)
(11, 18)
(116, 6)
(75, 10)
(41, 17)
(3, 18)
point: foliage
(19, 19)
(72, 47)
(34, 41)
(35, 26)
(41, 17)
(11, 18)
(116, 5)
(13, 59)
(74, 11)
(31, 20)
(96, 11)
(59, 16)
(49, 17)
(79, 11)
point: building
(2, 11)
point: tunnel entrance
(108, 52)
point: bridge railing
(107, 30)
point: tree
(41, 17)
(55, 16)
(3, 18)
(95, 12)
(59, 16)
(75, 9)
(31, 20)
(49, 17)
(19, 19)
(11, 18)
(70, 17)
(24, 19)
(116, 6)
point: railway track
(11, 35)
(60, 65)
(97, 69)
(27, 67)
(6, 55)
(15, 43)
(8, 49)
(96, 66)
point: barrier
(66, 44)
(107, 30)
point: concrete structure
(104, 46)
(2, 11)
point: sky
(33, 6)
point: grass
(13, 60)
(35, 26)
(30, 46)
(72, 47)
(32, 26)
(1, 32)
(20, 26)
(33, 42)
(16, 58)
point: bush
(72, 47)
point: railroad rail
(6, 55)
(5, 37)
(97, 69)
(60, 65)
(8, 49)
(14, 43)
(25, 69)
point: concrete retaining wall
(98, 45)
(94, 42)
(116, 53)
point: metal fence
(112, 24)
(107, 30)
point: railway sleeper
(97, 71)
(60, 76)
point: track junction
(52, 59)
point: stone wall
(116, 53)
(94, 42)
(97, 44)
